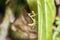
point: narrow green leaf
(46, 16)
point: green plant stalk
(46, 16)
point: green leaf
(46, 16)
(32, 5)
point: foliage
(56, 35)
(43, 12)
(46, 16)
